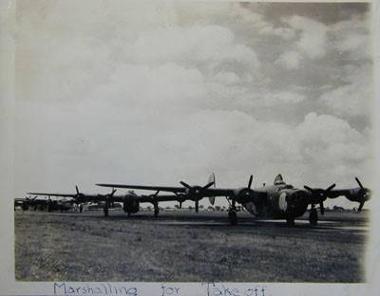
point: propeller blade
(77, 189)
(185, 185)
(308, 188)
(113, 191)
(197, 206)
(360, 184)
(250, 182)
(208, 185)
(330, 188)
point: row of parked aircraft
(277, 201)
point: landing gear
(290, 221)
(106, 209)
(232, 215)
(156, 210)
(197, 206)
(313, 216)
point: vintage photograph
(192, 141)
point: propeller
(319, 195)
(78, 195)
(196, 192)
(154, 195)
(250, 182)
(364, 194)
(112, 192)
(109, 196)
(245, 192)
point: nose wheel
(232, 216)
(313, 216)
(106, 208)
(232, 213)
(156, 210)
(290, 221)
(105, 211)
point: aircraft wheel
(313, 217)
(233, 217)
(105, 210)
(290, 221)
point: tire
(233, 217)
(290, 221)
(105, 210)
(313, 217)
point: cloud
(313, 35)
(354, 98)
(290, 60)
(285, 33)
(195, 44)
(227, 77)
(138, 94)
(351, 38)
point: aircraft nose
(297, 196)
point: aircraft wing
(205, 192)
(142, 187)
(158, 198)
(352, 194)
(218, 192)
(339, 192)
(52, 194)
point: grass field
(184, 246)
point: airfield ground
(185, 246)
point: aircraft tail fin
(211, 178)
(278, 180)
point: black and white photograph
(189, 141)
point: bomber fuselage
(279, 201)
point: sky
(157, 92)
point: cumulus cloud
(351, 37)
(354, 98)
(108, 96)
(313, 35)
(195, 44)
(290, 60)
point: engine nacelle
(244, 195)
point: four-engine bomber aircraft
(277, 201)
(131, 201)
